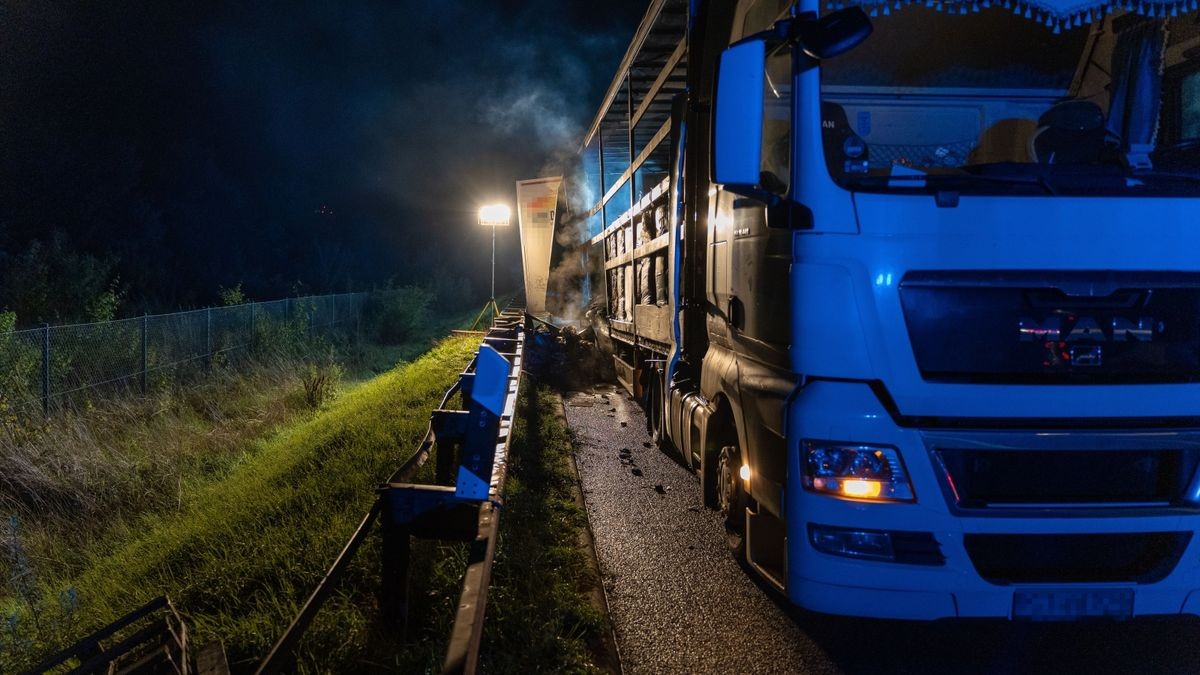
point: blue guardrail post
(488, 392)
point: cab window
(777, 121)
(761, 15)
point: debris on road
(638, 526)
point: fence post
(208, 337)
(45, 369)
(250, 340)
(333, 310)
(145, 350)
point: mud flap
(766, 547)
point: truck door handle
(734, 313)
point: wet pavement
(681, 604)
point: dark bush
(321, 381)
(451, 291)
(397, 314)
(51, 282)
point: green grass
(539, 616)
(240, 541)
(375, 359)
(241, 553)
(84, 477)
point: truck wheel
(731, 499)
(653, 405)
(655, 422)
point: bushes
(321, 382)
(52, 282)
(20, 369)
(233, 296)
(396, 314)
(450, 290)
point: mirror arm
(789, 31)
(796, 30)
(784, 31)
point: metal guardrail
(468, 511)
(159, 645)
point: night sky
(300, 145)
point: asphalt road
(681, 604)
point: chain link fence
(44, 368)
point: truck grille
(983, 478)
(1028, 327)
(1143, 557)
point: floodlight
(495, 215)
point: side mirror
(738, 114)
(833, 34)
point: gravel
(681, 604)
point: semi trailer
(913, 287)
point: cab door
(757, 306)
(762, 234)
(720, 289)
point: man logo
(1087, 329)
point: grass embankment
(375, 358)
(239, 554)
(82, 477)
(541, 614)
(411, 323)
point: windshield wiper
(958, 181)
(1037, 179)
(1053, 178)
(1169, 175)
(1183, 155)
(1187, 144)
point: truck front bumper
(836, 584)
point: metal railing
(152, 638)
(42, 368)
(469, 511)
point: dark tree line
(155, 151)
(122, 175)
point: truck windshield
(988, 100)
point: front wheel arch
(719, 432)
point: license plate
(1065, 605)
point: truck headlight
(872, 472)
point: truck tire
(656, 423)
(732, 499)
(653, 405)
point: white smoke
(538, 113)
